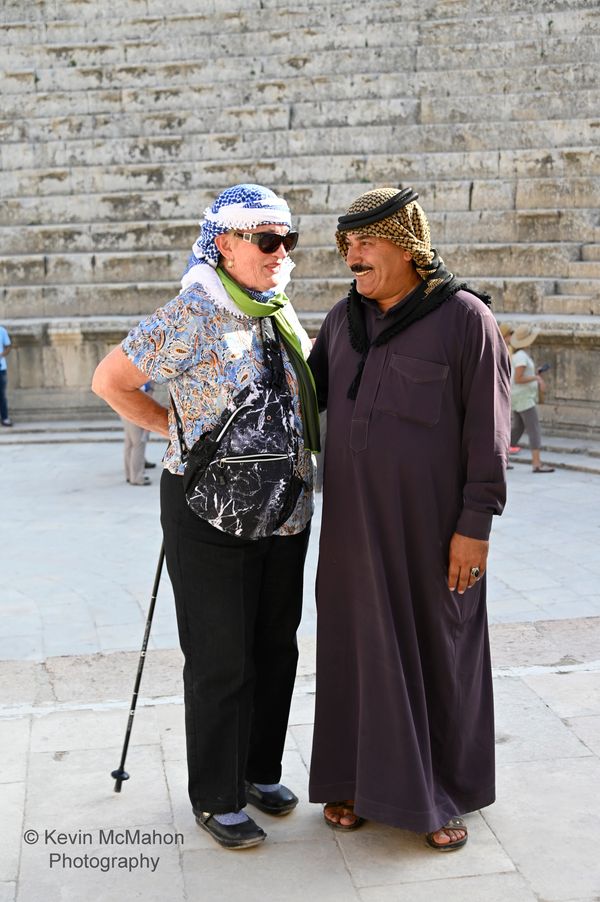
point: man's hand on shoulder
(467, 556)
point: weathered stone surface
(118, 128)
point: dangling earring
(229, 264)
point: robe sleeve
(486, 424)
(318, 362)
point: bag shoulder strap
(182, 445)
(272, 353)
(273, 360)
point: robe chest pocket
(412, 389)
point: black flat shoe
(237, 836)
(280, 801)
(148, 465)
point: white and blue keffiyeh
(240, 207)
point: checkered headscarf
(239, 207)
(407, 227)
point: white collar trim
(206, 276)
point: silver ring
(475, 571)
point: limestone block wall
(120, 123)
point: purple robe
(404, 720)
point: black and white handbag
(243, 476)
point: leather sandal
(348, 811)
(455, 823)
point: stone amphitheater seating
(118, 125)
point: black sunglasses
(268, 242)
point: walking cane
(120, 774)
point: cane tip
(119, 776)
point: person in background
(134, 449)
(526, 385)
(506, 330)
(5, 348)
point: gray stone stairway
(118, 125)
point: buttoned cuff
(474, 524)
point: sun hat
(523, 336)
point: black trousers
(239, 605)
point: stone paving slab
(363, 865)
(546, 773)
(69, 601)
(62, 718)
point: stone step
(190, 45)
(82, 205)
(501, 28)
(517, 106)
(509, 295)
(585, 269)
(517, 294)
(578, 461)
(554, 193)
(59, 431)
(572, 304)
(589, 287)
(103, 300)
(591, 251)
(500, 34)
(41, 10)
(240, 16)
(504, 56)
(506, 53)
(95, 238)
(580, 454)
(511, 259)
(209, 70)
(214, 14)
(494, 174)
(317, 262)
(512, 295)
(389, 139)
(37, 326)
(139, 299)
(530, 25)
(199, 122)
(127, 26)
(296, 88)
(563, 450)
(555, 324)
(363, 112)
(316, 229)
(564, 444)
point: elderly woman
(238, 599)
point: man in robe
(415, 377)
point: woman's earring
(229, 264)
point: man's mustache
(358, 268)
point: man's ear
(223, 244)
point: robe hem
(416, 821)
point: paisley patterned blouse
(208, 350)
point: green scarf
(276, 307)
